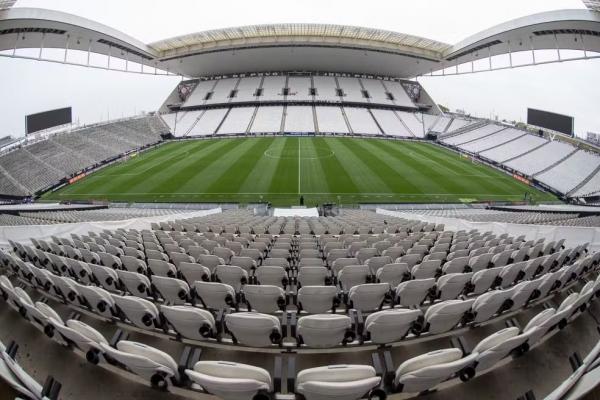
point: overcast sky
(569, 88)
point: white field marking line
(299, 165)
(275, 194)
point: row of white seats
(234, 381)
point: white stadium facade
(206, 301)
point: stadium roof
(297, 47)
(592, 4)
(4, 4)
(259, 34)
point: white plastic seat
(224, 253)
(390, 326)
(163, 268)
(254, 329)
(190, 322)
(336, 382)
(276, 262)
(502, 258)
(83, 336)
(368, 297)
(540, 324)
(426, 269)
(134, 283)
(192, 272)
(235, 277)
(444, 316)
(376, 263)
(366, 253)
(217, 296)
(428, 370)
(479, 262)
(414, 292)
(495, 347)
(133, 264)
(522, 293)
(310, 262)
(107, 277)
(313, 276)
(410, 259)
(272, 275)
(450, 286)
(340, 263)
(172, 291)
(229, 380)
(151, 364)
(456, 265)
(209, 261)
(109, 260)
(490, 303)
(80, 270)
(142, 313)
(393, 274)
(98, 299)
(65, 287)
(325, 330)
(510, 273)
(265, 298)
(485, 279)
(247, 263)
(318, 299)
(353, 275)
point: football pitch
(281, 170)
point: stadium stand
(570, 172)
(267, 119)
(514, 148)
(491, 141)
(299, 119)
(331, 120)
(43, 164)
(237, 121)
(391, 124)
(541, 158)
(361, 121)
(470, 136)
(102, 275)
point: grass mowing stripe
(284, 179)
(117, 177)
(314, 178)
(361, 166)
(468, 179)
(406, 169)
(337, 177)
(214, 166)
(265, 169)
(195, 165)
(234, 176)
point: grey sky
(95, 95)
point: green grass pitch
(281, 169)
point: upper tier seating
(491, 141)
(513, 149)
(472, 135)
(328, 89)
(43, 164)
(566, 175)
(535, 161)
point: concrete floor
(540, 370)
